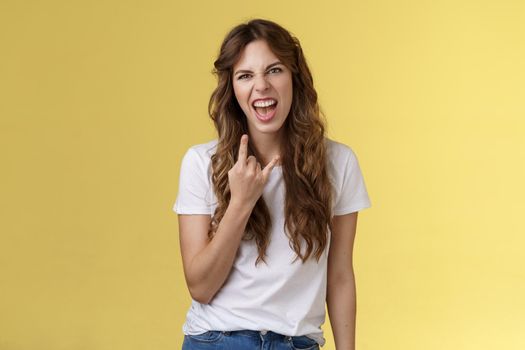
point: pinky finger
(268, 168)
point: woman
(268, 211)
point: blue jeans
(247, 340)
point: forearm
(341, 303)
(209, 269)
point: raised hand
(246, 178)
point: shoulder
(338, 153)
(201, 153)
(204, 150)
(197, 159)
(343, 168)
(341, 161)
(195, 183)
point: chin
(270, 128)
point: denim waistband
(263, 334)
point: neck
(266, 146)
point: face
(263, 88)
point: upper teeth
(264, 103)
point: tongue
(265, 110)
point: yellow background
(99, 100)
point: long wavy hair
(303, 157)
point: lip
(267, 118)
(264, 99)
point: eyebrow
(249, 71)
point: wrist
(239, 207)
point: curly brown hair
(308, 189)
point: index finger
(243, 149)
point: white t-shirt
(277, 296)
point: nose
(260, 83)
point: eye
(275, 70)
(243, 76)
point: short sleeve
(194, 186)
(352, 195)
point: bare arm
(208, 263)
(341, 291)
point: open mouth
(265, 109)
